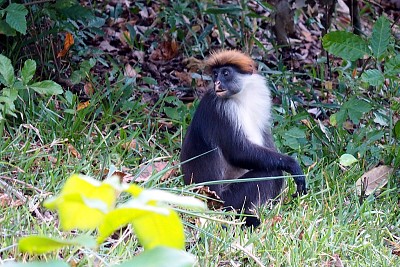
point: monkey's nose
(217, 84)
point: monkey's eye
(225, 73)
(215, 74)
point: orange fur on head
(231, 57)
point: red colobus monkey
(230, 137)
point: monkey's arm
(247, 155)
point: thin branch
(38, 2)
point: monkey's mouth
(219, 91)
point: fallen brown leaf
(7, 201)
(88, 88)
(129, 71)
(133, 144)
(193, 64)
(337, 261)
(52, 159)
(184, 77)
(105, 46)
(147, 171)
(83, 105)
(395, 247)
(373, 179)
(74, 152)
(68, 42)
(166, 51)
(213, 200)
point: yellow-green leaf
(134, 190)
(125, 214)
(83, 202)
(347, 160)
(155, 230)
(42, 244)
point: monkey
(230, 137)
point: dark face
(226, 81)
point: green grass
(329, 222)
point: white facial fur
(251, 107)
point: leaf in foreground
(28, 70)
(42, 244)
(124, 215)
(37, 264)
(373, 179)
(156, 229)
(161, 257)
(47, 87)
(347, 160)
(83, 202)
(6, 70)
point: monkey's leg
(248, 195)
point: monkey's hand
(299, 178)
(301, 186)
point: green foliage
(294, 138)
(385, 65)
(178, 111)
(36, 34)
(345, 45)
(380, 37)
(13, 85)
(397, 130)
(392, 67)
(373, 77)
(354, 109)
(84, 69)
(238, 22)
(352, 47)
(6, 71)
(87, 204)
(15, 19)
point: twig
(248, 253)
(23, 183)
(20, 196)
(38, 2)
(16, 193)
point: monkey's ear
(230, 57)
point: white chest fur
(250, 109)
